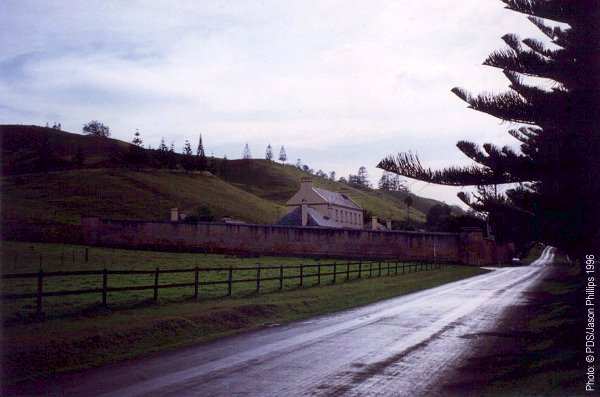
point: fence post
(360, 269)
(334, 272)
(73, 255)
(388, 273)
(370, 269)
(301, 275)
(40, 290)
(319, 273)
(87, 254)
(258, 278)
(104, 286)
(280, 277)
(229, 281)
(156, 285)
(379, 274)
(196, 282)
(396, 268)
(347, 271)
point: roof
(315, 218)
(336, 198)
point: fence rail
(349, 271)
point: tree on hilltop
(282, 155)
(269, 153)
(246, 154)
(96, 128)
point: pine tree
(200, 148)
(557, 167)
(282, 155)
(363, 177)
(137, 140)
(269, 153)
(188, 162)
(246, 155)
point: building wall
(466, 247)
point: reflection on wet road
(396, 347)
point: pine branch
(409, 165)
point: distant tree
(363, 177)
(342, 180)
(187, 148)
(307, 169)
(200, 162)
(137, 139)
(136, 155)
(246, 154)
(332, 175)
(299, 163)
(384, 182)
(162, 147)
(438, 215)
(57, 126)
(269, 153)
(282, 155)
(391, 182)
(200, 148)
(188, 162)
(96, 128)
(162, 154)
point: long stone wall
(468, 247)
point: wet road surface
(398, 347)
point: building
(312, 206)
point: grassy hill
(102, 185)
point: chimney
(306, 184)
(304, 214)
(174, 215)
(388, 224)
(374, 223)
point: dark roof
(336, 198)
(315, 218)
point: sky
(340, 84)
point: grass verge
(46, 348)
(539, 350)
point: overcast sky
(340, 83)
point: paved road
(398, 347)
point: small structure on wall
(312, 206)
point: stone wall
(468, 247)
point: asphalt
(398, 347)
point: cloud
(341, 84)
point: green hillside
(124, 194)
(102, 185)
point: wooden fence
(338, 272)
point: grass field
(19, 257)
(89, 337)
